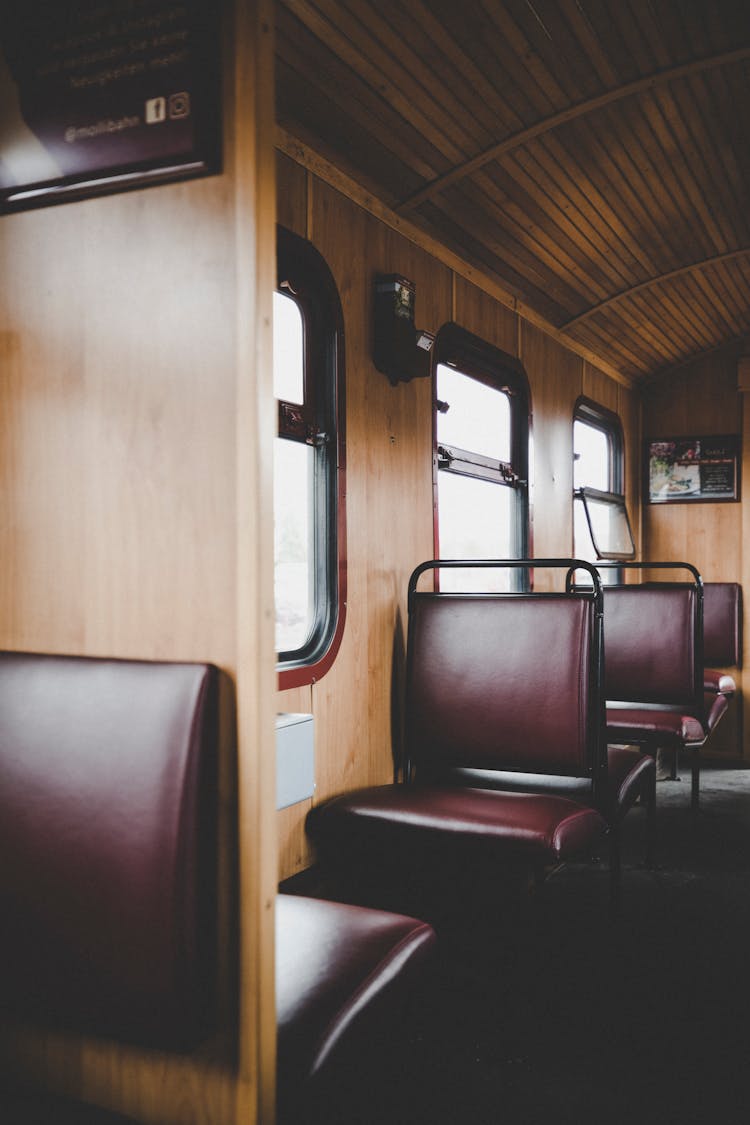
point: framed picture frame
(102, 97)
(683, 470)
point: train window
(600, 524)
(481, 457)
(309, 463)
(608, 524)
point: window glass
(592, 450)
(608, 524)
(598, 464)
(294, 553)
(288, 349)
(476, 522)
(481, 458)
(478, 416)
(309, 524)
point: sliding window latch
(292, 417)
(468, 464)
(295, 423)
(509, 476)
(445, 457)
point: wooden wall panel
(340, 698)
(253, 169)
(294, 850)
(629, 413)
(295, 700)
(555, 376)
(701, 398)
(116, 460)
(481, 314)
(291, 206)
(356, 705)
(42, 341)
(389, 493)
(136, 421)
(599, 387)
(101, 469)
(146, 497)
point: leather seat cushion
(649, 637)
(627, 774)
(338, 969)
(634, 724)
(534, 827)
(107, 845)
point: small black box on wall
(400, 350)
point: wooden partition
(389, 464)
(137, 417)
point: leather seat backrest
(107, 859)
(722, 624)
(650, 644)
(501, 683)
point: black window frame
(319, 422)
(608, 422)
(474, 357)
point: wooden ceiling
(590, 157)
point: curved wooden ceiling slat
(582, 109)
(694, 267)
(588, 158)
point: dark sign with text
(98, 94)
(696, 468)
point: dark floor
(557, 1011)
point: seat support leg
(615, 867)
(650, 802)
(696, 779)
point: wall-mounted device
(400, 351)
(295, 759)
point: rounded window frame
(304, 274)
(609, 422)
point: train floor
(554, 1009)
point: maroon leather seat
(107, 872)
(722, 635)
(494, 683)
(342, 974)
(630, 777)
(107, 861)
(107, 801)
(654, 680)
(536, 828)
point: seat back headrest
(107, 857)
(722, 624)
(650, 644)
(502, 683)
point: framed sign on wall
(100, 96)
(692, 469)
